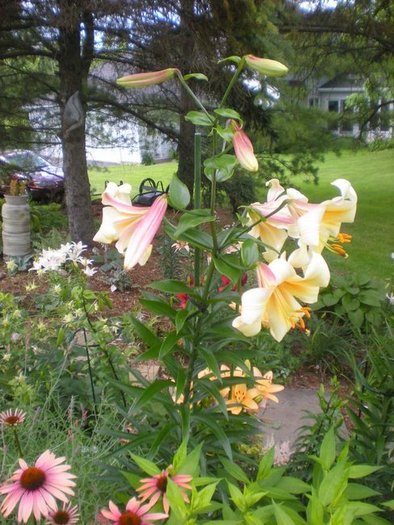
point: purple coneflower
(156, 486)
(12, 417)
(67, 515)
(35, 488)
(134, 514)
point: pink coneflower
(67, 515)
(12, 417)
(156, 486)
(135, 514)
(35, 488)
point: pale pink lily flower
(155, 487)
(266, 66)
(135, 513)
(37, 488)
(275, 215)
(312, 224)
(243, 148)
(133, 227)
(141, 80)
(276, 303)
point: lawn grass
(371, 174)
(131, 173)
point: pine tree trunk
(73, 74)
(186, 129)
(186, 144)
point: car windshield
(26, 160)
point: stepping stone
(282, 421)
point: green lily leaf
(192, 219)
(232, 58)
(178, 194)
(197, 76)
(249, 253)
(199, 118)
(228, 113)
(221, 166)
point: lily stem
(197, 202)
(232, 82)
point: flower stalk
(197, 201)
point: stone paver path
(281, 421)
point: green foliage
(266, 494)
(67, 338)
(47, 217)
(241, 190)
(354, 298)
(67, 431)
(381, 144)
(111, 264)
(147, 158)
(175, 263)
(371, 410)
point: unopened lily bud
(141, 80)
(265, 66)
(244, 149)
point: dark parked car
(44, 182)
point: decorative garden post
(16, 226)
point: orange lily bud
(265, 66)
(141, 80)
(244, 149)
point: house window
(333, 106)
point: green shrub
(356, 299)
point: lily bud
(265, 66)
(244, 149)
(141, 80)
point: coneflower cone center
(162, 483)
(62, 517)
(129, 518)
(12, 420)
(32, 478)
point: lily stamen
(344, 238)
(337, 248)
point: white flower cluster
(53, 260)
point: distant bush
(147, 158)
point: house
(110, 139)
(331, 95)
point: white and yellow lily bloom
(277, 302)
(133, 227)
(323, 221)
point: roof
(343, 81)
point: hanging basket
(16, 236)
